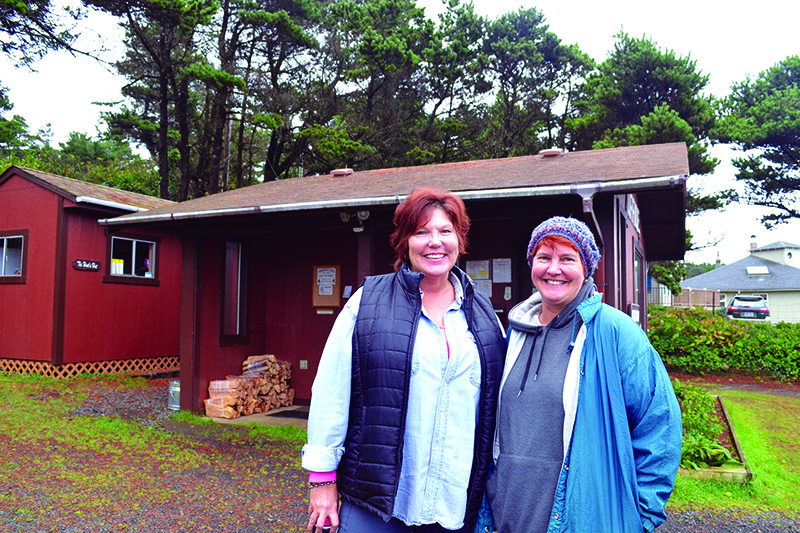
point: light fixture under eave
(358, 218)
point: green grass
(769, 433)
(254, 431)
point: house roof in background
(778, 245)
(551, 172)
(734, 277)
(83, 192)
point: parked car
(745, 307)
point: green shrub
(697, 341)
(701, 428)
(698, 415)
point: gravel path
(188, 514)
(240, 487)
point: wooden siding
(26, 310)
(105, 321)
(63, 315)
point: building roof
(586, 173)
(778, 245)
(735, 277)
(87, 194)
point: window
(232, 316)
(132, 259)
(13, 256)
(637, 275)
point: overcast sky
(729, 40)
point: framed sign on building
(326, 286)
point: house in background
(771, 271)
(267, 268)
(75, 297)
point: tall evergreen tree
(30, 29)
(14, 130)
(762, 116)
(534, 76)
(160, 52)
(635, 79)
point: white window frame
(121, 269)
(6, 257)
(13, 265)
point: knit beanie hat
(574, 230)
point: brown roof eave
(586, 190)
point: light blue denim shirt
(440, 421)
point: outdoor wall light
(359, 217)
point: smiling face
(558, 275)
(433, 248)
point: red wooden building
(75, 297)
(267, 268)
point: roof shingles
(591, 166)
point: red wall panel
(106, 321)
(26, 310)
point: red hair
(551, 240)
(416, 210)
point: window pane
(132, 257)
(121, 256)
(144, 258)
(231, 289)
(11, 255)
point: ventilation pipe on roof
(551, 152)
(341, 172)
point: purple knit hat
(574, 230)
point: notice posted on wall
(484, 286)
(501, 270)
(478, 269)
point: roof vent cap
(551, 152)
(341, 172)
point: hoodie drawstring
(572, 337)
(531, 341)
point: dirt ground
(245, 488)
(743, 382)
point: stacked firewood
(263, 386)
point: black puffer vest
(382, 347)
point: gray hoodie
(531, 417)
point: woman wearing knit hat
(588, 428)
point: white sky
(730, 40)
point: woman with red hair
(404, 402)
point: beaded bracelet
(315, 484)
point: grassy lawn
(768, 427)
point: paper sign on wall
(478, 269)
(501, 270)
(326, 286)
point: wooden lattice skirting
(68, 370)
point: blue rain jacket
(622, 427)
